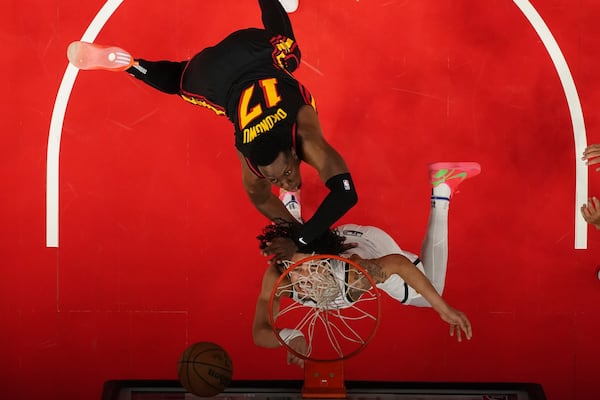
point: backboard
(355, 390)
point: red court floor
(156, 240)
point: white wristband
(288, 334)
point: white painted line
(56, 124)
(579, 134)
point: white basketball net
(325, 299)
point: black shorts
(244, 55)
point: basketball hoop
(335, 304)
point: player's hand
(591, 212)
(281, 249)
(459, 323)
(592, 155)
(299, 345)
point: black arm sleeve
(341, 198)
(275, 19)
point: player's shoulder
(355, 230)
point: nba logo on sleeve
(346, 184)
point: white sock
(441, 192)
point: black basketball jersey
(247, 77)
(266, 106)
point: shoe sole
(289, 6)
(471, 168)
(90, 56)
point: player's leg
(161, 75)
(276, 21)
(275, 18)
(445, 178)
(434, 249)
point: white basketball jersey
(373, 242)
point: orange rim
(319, 257)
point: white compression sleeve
(434, 250)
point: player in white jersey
(401, 274)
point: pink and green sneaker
(452, 173)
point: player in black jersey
(248, 78)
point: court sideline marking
(56, 124)
(579, 134)
(534, 18)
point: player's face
(299, 279)
(284, 172)
(308, 278)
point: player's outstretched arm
(332, 170)
(262, 331)
(318, 153)
(382, 268)
(459, 323)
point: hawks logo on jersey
(286, 53)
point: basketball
(205, 369)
